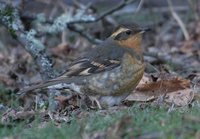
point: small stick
(178, 20)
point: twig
(178, 20)
(118, 7)
(140, 5)
(82, 32)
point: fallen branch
(9, 17)
(82, 32)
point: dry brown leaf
(62, 100)
(145, 79)
(163, 86)
(176, 90)
(180, 97)
(138, 96)
(69, 100)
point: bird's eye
(128, 32)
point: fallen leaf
(180, 97)
(163, 86)
(138, 96)
(176, 90)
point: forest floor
(172, 73)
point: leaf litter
(175, 90)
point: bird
(108, 73)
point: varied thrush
(108, 72)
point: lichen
(61, 22)
(10, 17)
(41, 18)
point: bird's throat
(133, 42)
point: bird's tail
(42, 85)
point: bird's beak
(143, 30)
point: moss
(13, 33)
(8, 11)
(7, 14)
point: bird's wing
(87, 66)
(101, 58)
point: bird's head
(129, 36)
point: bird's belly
(115, 82)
